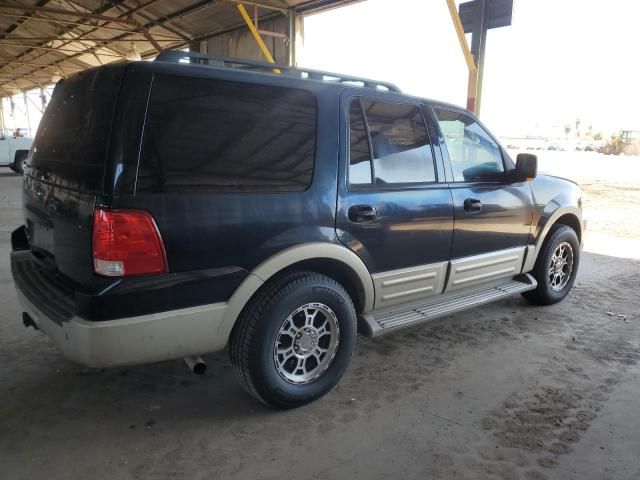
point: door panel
(490, 214)
(4, 150)
(399, 286)
(394, 208)
(503, 221)
(479, 269)
(411, 228)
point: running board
(389, 320)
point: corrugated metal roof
(39, 38)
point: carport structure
(44, 40)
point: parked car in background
(176, 209)
(14, 151)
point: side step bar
(381, 322)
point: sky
(557, 62)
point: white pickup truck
(14, 152)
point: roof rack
(175, 56)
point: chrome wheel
(560, 266)
(306, 343)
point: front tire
(294, 341)
(556, 267)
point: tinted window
(401, 147)
(73, 136)
(216, 135)
(473, 153)
(359, 156)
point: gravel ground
(506, 391)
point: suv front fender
(554, 199)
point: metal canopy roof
(40, 38)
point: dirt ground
(507, 391)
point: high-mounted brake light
(126, 242)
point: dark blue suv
(175, 208)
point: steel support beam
(291, 30)
(478, 46)
(282, 10)
(254, 31)
(26, 106)
(128, 21)
(57, 49)
(72, 13)
(472, 84)
(3, 127)
(85, 39)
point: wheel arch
(571, 220)
(568, 215)
(19, 152)
(335, 261)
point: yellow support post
(256, 35)
(472, 86)
(468, 57)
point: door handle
(362, 213)
(472, 205)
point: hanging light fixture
(133, 55)
(57, 75)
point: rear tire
(556, 267)
(306, 312)
(19, 162)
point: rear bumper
(144, 320)
(128, 341)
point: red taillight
(126, 242)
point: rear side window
(72, 140)
(400, 146)
(214, 135)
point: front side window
(473, 154)
(400, 146)
(221, 136)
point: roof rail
(175, 56)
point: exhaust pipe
(196, 365)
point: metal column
(2, 123)
(477, 17)
(468, 57)
(256, 35)
(478, 45)
(26, 106)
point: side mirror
(526, 168)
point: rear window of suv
(221, 136)
(70, 147)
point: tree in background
(567, 131)
(578, 127)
